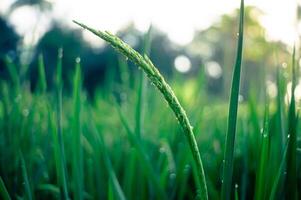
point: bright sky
(178, 18)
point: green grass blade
(279, 174)
(291, 179)
(59, 119)
(232, 117)
(42, 83)
(76, 124)
(3, 191)
(145, 161)
(157, 79)
(236, 192)
(142, 87)
(13, 73)
(260, 185)
(27, 186)
(116, 188)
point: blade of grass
(260, 185)
(142, 88)
(42, 83)
(13, 73)
(59, 119)
(157, 79)
(291, 182)
(149, 170)
(28, 191)
(116, 188)
(279, 174)
(232, 116)
(3, 191)
(77, 164)
(236, 192)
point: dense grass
(126, 143)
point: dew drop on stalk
(240, 98)
(77, 60)
(172, 176)
(25, 112)
(60, 53)
(284, 65)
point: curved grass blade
(232, 117)
(3, 191)
(157, 79)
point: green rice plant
(232, 116)
(3, 191)
(156, 78)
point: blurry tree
(218, 43)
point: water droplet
(25, 112)
(236, 186)
(172, 176)
(77, 60)
(288, 136)
(284, 65)
(240, 98)
(60, 53)
(162, 150)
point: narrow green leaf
(76, 128)
(280, 173)
(27, 186)
(260, 185)
(291, 179)
(61, 164)
(3, 191)
(232, 117)
(42, 83)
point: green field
(144, 137)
